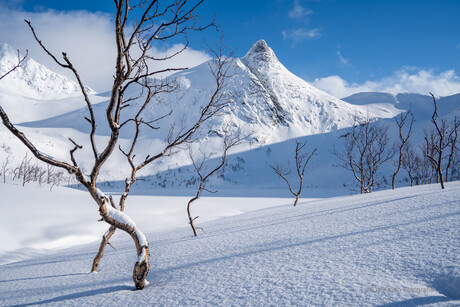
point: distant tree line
(367, 148)
(30, 170)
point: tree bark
(141, 268)
(190, 218)
(393, 181)
(105, 240)
(296, 200)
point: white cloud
(87, 37)
(343, 60)
(405, 80)
(300, 34)
(298, 11)
(186, 59)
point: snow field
(65, 217)
(390, 247)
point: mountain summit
(6, 50)
(260, 52)
(266, 97)
(33, 80)
(285, 102)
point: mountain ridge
(420, 104)
(263, 97)
(34, 80)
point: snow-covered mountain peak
(266, 97)
(7, 51)
(262, 96)
(32, 79)
(260, 53)
(8, 57)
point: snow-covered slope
(421, 105)
(293, 101)
(269, 100)
(394, 247)
(263, 96)
(33, 92)
(33, 80)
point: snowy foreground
(387, 248)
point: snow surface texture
(66, 217)
(391, 248)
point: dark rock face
(260, 46)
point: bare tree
(21, 59)
(5, 167)
(219, 69)
(302, 158)
(438, 144)
(411, 163)
(438, 141)
(152, 21)
(26, 170)
(455, 165)
(23, 170)
(427, 170)
(403, 138)
(452, 143)
(366, 149)
(56, 179)
(50, 173)
(205, 171)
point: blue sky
(349, 44)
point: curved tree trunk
(106, 237)
(120, 220)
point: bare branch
(400, 122)
(441, 144)
(19, 63)
(83, 89)
(39, 155)
(366, 149)
(302, 158)
(152, 21)
(230, 140)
